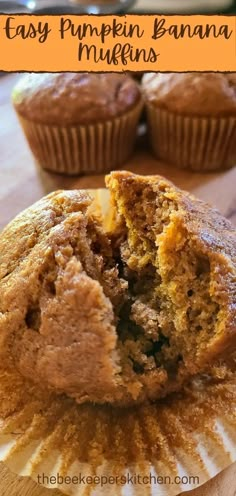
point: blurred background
(119, 6)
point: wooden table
(22, 183)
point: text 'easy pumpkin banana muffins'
(122, 316)
(192, 119)
(78, 123)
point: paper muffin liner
(163, 448)
(184, 441)
(199, 144)
(86, 149)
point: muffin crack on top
(122, 315)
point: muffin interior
(171, 313)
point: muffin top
(194, 93)
(74, 98)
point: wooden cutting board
(22, 183)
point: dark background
(231, 10)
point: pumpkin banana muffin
(192, 118)
(79, 123)
(122, 316)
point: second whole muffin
(192, 118)
(79, 122)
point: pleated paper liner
(200, 144)
(181, 441)
(190, 435)
(74, 150)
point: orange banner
(117, 43)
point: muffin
(124, 316)
(192, 119)
(78, 123)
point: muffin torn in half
(122, 316)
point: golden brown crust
(54, 317)
(193, 94)
(74, 98)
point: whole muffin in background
(79, 122)
(192, 118)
